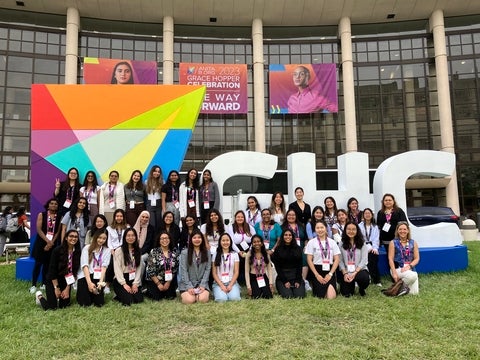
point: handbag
(398, 288)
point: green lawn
(443, 322)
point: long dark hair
(94, 181)
(114, 80)
(263, 250)
(94, 243)
(373, 216)
(195, 182)
(334, 205)
(218, 256)
(313, 221)
(136, 248)
(132, 185)
(357, 240)
(169, 182)
(204, 253)
(171, 245)
(245, 226)
(257, 205)
(93, 227)
(153, 183)
(209, 224)
(63, 255)
(123, 223)
(85, 212)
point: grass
(443, 322)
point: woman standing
(323, 257)
(330, 211)
(64, 265)
(134, 197)
(277, 206)
(77, 218)
(170, 196)
(195, 266)
(48, 225)
(317, 215)
(112, 196)
(67, 191)
(288, 264)
(301, 208)
(258, 271)
(162, 268)
(354, 214)
(252, 213)
(93, 266)
(153, 188)
(268, 230)
(353, 261)
(339, 227)
(189, 196)
(91, 191)
(169, 226)
(209, 195)
(403, 256)
(99, 222)
(225, 270)
(128, 270)
(145, 233)
(212, 229)
(20, 236)
(189, 227)
(371, 235)
(388, 218)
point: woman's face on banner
(123, 74)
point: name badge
(326, 265)
(153, 202)
(111, 203)
(225, 278)
(70, 279)
(176, 204)
(131, 275)
(191, 203)
(298, 241)
(50, 235)
(386, 227)
(168, 275)
(244, 245)
(351, 267)
(407, 263)
(132, 204)
(206, 205)
(267, 244)
(97, 274)
(67, 203)
(261, 282)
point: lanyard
(405, 252)
(167, 261)
(97, 262)
(70, 262)
(252, 218)
(132, 265)
(368, 231)
(206, 193)
(111, 191)
(50, 222)
(70, 192)
(224, 261)
(324, 252)
(351, 254)
(388, 217)
(133, 194)
(295, 231)
(266, 232)
(191, 193)
(259, 265)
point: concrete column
(345, 33)
(71, 49)
(258, 85)
(437, 27)
(168, 50)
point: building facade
(403, 85)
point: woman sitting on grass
(225, 270)
(288, 264)
(128, 270)
(64, 265)
(162, 268)
(195, 266)
(323, 257)
(403, 256)
(91, 277)
(258, 270)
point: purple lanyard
(97, 262)
(50, 223)
(324, 252)
(259, 264)
(111, 191)
(167, 261)
(266, 232)
(351, 254)
(224, 260)
(70, 262)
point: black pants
(125, 297)
(362, 279)
(373, 267)
(87, 298)
(260, 292)
(52, 302)
(155, 294)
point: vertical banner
(303, 88)
(226, 86)
(114, 71)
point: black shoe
(362, 292)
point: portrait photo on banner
(303, 88)
(120, 72)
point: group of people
(150, 238)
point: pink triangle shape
(47, 142)
(85, 134)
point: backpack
(12, 224)
(3, 224)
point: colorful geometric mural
(108, 127)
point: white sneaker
(106, 290)
(379, 284)
(33, 289)
(307, 286)
(38, 294)
(42, 287)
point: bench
(18, 248)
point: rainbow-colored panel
(107, 127)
